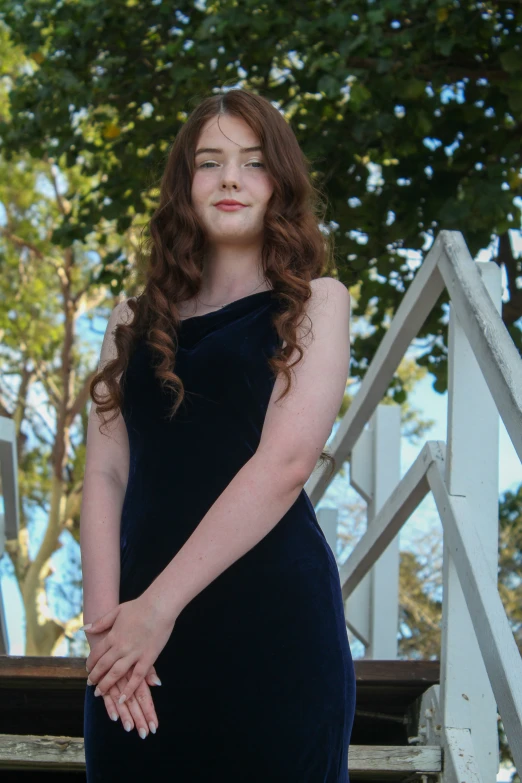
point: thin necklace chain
(224, 305)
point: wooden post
(372, 610)
(9, 519)
(472, 464)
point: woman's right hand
(137, 711)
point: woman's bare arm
(105, 481)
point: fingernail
(97, 691)
(114, 716)
(152, 726)
(89, 682)
(127, 725)
(122, 698)
(86, 627)
(156, 680)
(142, 733)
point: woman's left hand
(138, 634)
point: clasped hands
(137, 633)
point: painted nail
(122, 698)
(142, 733)
(89, 682)
(114, 716)
(127, 725)
(97, 691)
(152, 726)
(156, 680)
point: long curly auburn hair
(295, 250)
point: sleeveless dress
(258, 683)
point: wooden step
(45, 695)
(42, 698)
(29, 752)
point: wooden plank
(402, 502)
(62, 672)
(67, 753)
(9, 471)
(479, 585)
(494, 349)
(372, 609)
(9, 518)
(471, 471)
(27, 751)
(407, 672)
(43, 668)
(386, 758)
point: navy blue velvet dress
(258, 679)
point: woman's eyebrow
(217, 151)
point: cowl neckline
(237, 305)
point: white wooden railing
(9, 519)
(481, 667)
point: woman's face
(225, 171)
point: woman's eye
(211, 163)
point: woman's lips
(230, 207)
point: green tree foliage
(510, 559)
(46, 365)
(411, 112)
(47, 360)
(510, 579)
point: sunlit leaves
(411, 108)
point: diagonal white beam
(402, 502)
(494, 635)
(495, 351)
(447, 265)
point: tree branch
(81, 398)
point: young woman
(203, 560)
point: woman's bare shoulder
(122, 312)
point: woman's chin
(234, 235)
